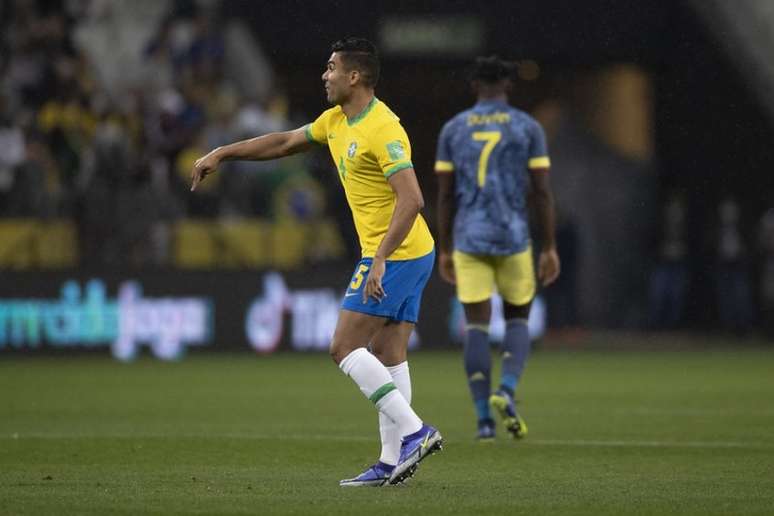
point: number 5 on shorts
(358, 280)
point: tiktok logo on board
(312, 314)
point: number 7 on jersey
(491, 138)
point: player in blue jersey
(490, 158)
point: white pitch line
(650, 444)
(214, 435)
(614, 443)
(680, 412)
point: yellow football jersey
(368, 149)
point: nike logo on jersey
(350, 294)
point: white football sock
(376, 383)
(387, 428)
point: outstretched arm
(408, 203)
(268, 146)
(548, 262)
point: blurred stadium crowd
(102, 114)
(85, 138)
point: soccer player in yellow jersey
(373, 157)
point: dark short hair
(491, 69)
(359, 54)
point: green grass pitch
(689, 432)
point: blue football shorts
(403, 283)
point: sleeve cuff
(444, 166)
(539, 162)
(308, 133)
(398, 168)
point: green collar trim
(357, 118)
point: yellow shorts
(478, 274)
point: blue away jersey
(490, 149)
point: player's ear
(354, 77)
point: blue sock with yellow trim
(516, 346)
(478, 365)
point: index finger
(195, 179)
(365, 293)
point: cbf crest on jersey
(352, 149)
